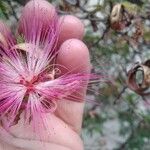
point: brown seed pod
(119, 17)
(116, 17)
(139, 78)
(116, 14)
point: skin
(65, 123)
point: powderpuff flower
(29, 81)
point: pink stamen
(27, 81)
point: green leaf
(4, 10)
(132, 8)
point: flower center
(29, 84)
(43, 77)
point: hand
(65, 123)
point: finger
(71, 27)
(36, 18)
(44, 12)
(74, 55)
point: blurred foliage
(113, 51)
(3, 10)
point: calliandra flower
(29, 83)
(139, 78)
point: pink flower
(29, 83)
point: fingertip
(71, 27)
(74, 55)
(39, 5)
(42, 10)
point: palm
(65, 123)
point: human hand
(65, 122)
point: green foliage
(133, 8)
(93, 124)
(147, 36)
(3, 10)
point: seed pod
(116, 14)
(119, 18)
(139, 78)
(116, 17)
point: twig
(120, 94)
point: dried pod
(119, 18)
(116, 14)
(139, 78)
